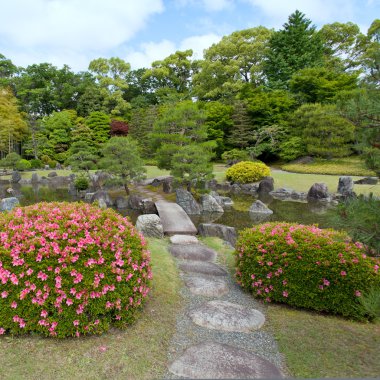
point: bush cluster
(305, 266)
(68, 269)
(247, 172)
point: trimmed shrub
(247, 172)
(23, 165)
(81, 183)
(36, 164)
(234, 156)
(68, 269)
(305, 266)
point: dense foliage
(247, 172)
(70, 269)
(305, 266)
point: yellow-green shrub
(247, 171)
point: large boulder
(167, 185)
(88, 197)
(134, 202)
(148, 206)
(210, 204)
(7, 204)
(266, 185)
(259, 207)
(221, 231)
(185, 199)
(101, 194)
(150, 225)
(52, 174)
(318, 191)
(225, 202)
(121, 202)
(35, 178)
(16, 177)
(345, 186)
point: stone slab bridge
(174, 219)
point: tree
(7, 70)
(10, 161)
(171, 77)
(241, 135)
(121, 158)
(191, 164)
(99, 123)
(13, 128)
(321, 85)
(177, 126)
(231, 63)
(111, 75)
(324, 132)
(141, 89)
(119, 128)
(82, 157)
(292, 48)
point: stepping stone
(210, 287)
(193, 252)
(209, 360)
(227, 316)
(183, 239)
(202, 267)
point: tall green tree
(7, 70)
(82, 157)
(241, 135)
(121, 158)
(228, 65)
(99, 123)
(13, 127)
(324, 132)
(177, 126)
(292, 48)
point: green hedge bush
(23, 165)
(305, 266)
(247, 172)
(68, 269)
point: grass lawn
(338, 166)
(139, 352)
(316, 345)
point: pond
(237, 216)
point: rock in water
(150, 225)
(210, 204)
(266, 185)
(185, 199)
(345, 185)
(221, 231)
(259, 207)
(318, 191)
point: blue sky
(74, 32)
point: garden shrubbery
(305, 266)
(68, 269)
(247, 171)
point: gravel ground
(188, 333)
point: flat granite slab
(174, 219)
(202, 267)
(211, 360)
(198, 252)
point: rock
(281, 193)
(183, 239)
(16, 177)
(58, 166)
(235, 188)
(121, 202)
(148, 206)
(7, 204)
(266, 185)
(99, 179)
(102, 203)
(59, 181)
(167, 185)
(249, 188)
(134, 202)
(225, 186)
(259, 207)
(197, 252)
(303, 160)
(150, 225)
(212, 184)
(52, 174)
(202, 267)
(318, 191)
(185, 199)
(35, 178)
(88, 197)
(73, 191)
(206, 286)
(367, 181)
(101, 194)
(225, 202)
(345, 185)
(227, 316)
(211, 360)
(218, 230)
(209, 204)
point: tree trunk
(126, 188)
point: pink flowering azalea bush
(68, 269)
(305, 266)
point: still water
(237, 216)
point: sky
(74, 32)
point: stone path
(219, 335)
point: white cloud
(208, 5)
(151, 51)
(71, 27)
(320, 11)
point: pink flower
(102, 348)
(285, 293)
(44, 313)
(284, 282)
(14, 305)
(269, 263)
(76, 322)
(343, 273)
(4, 294)
(326, 282)
(358, 293)
(2, 331)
